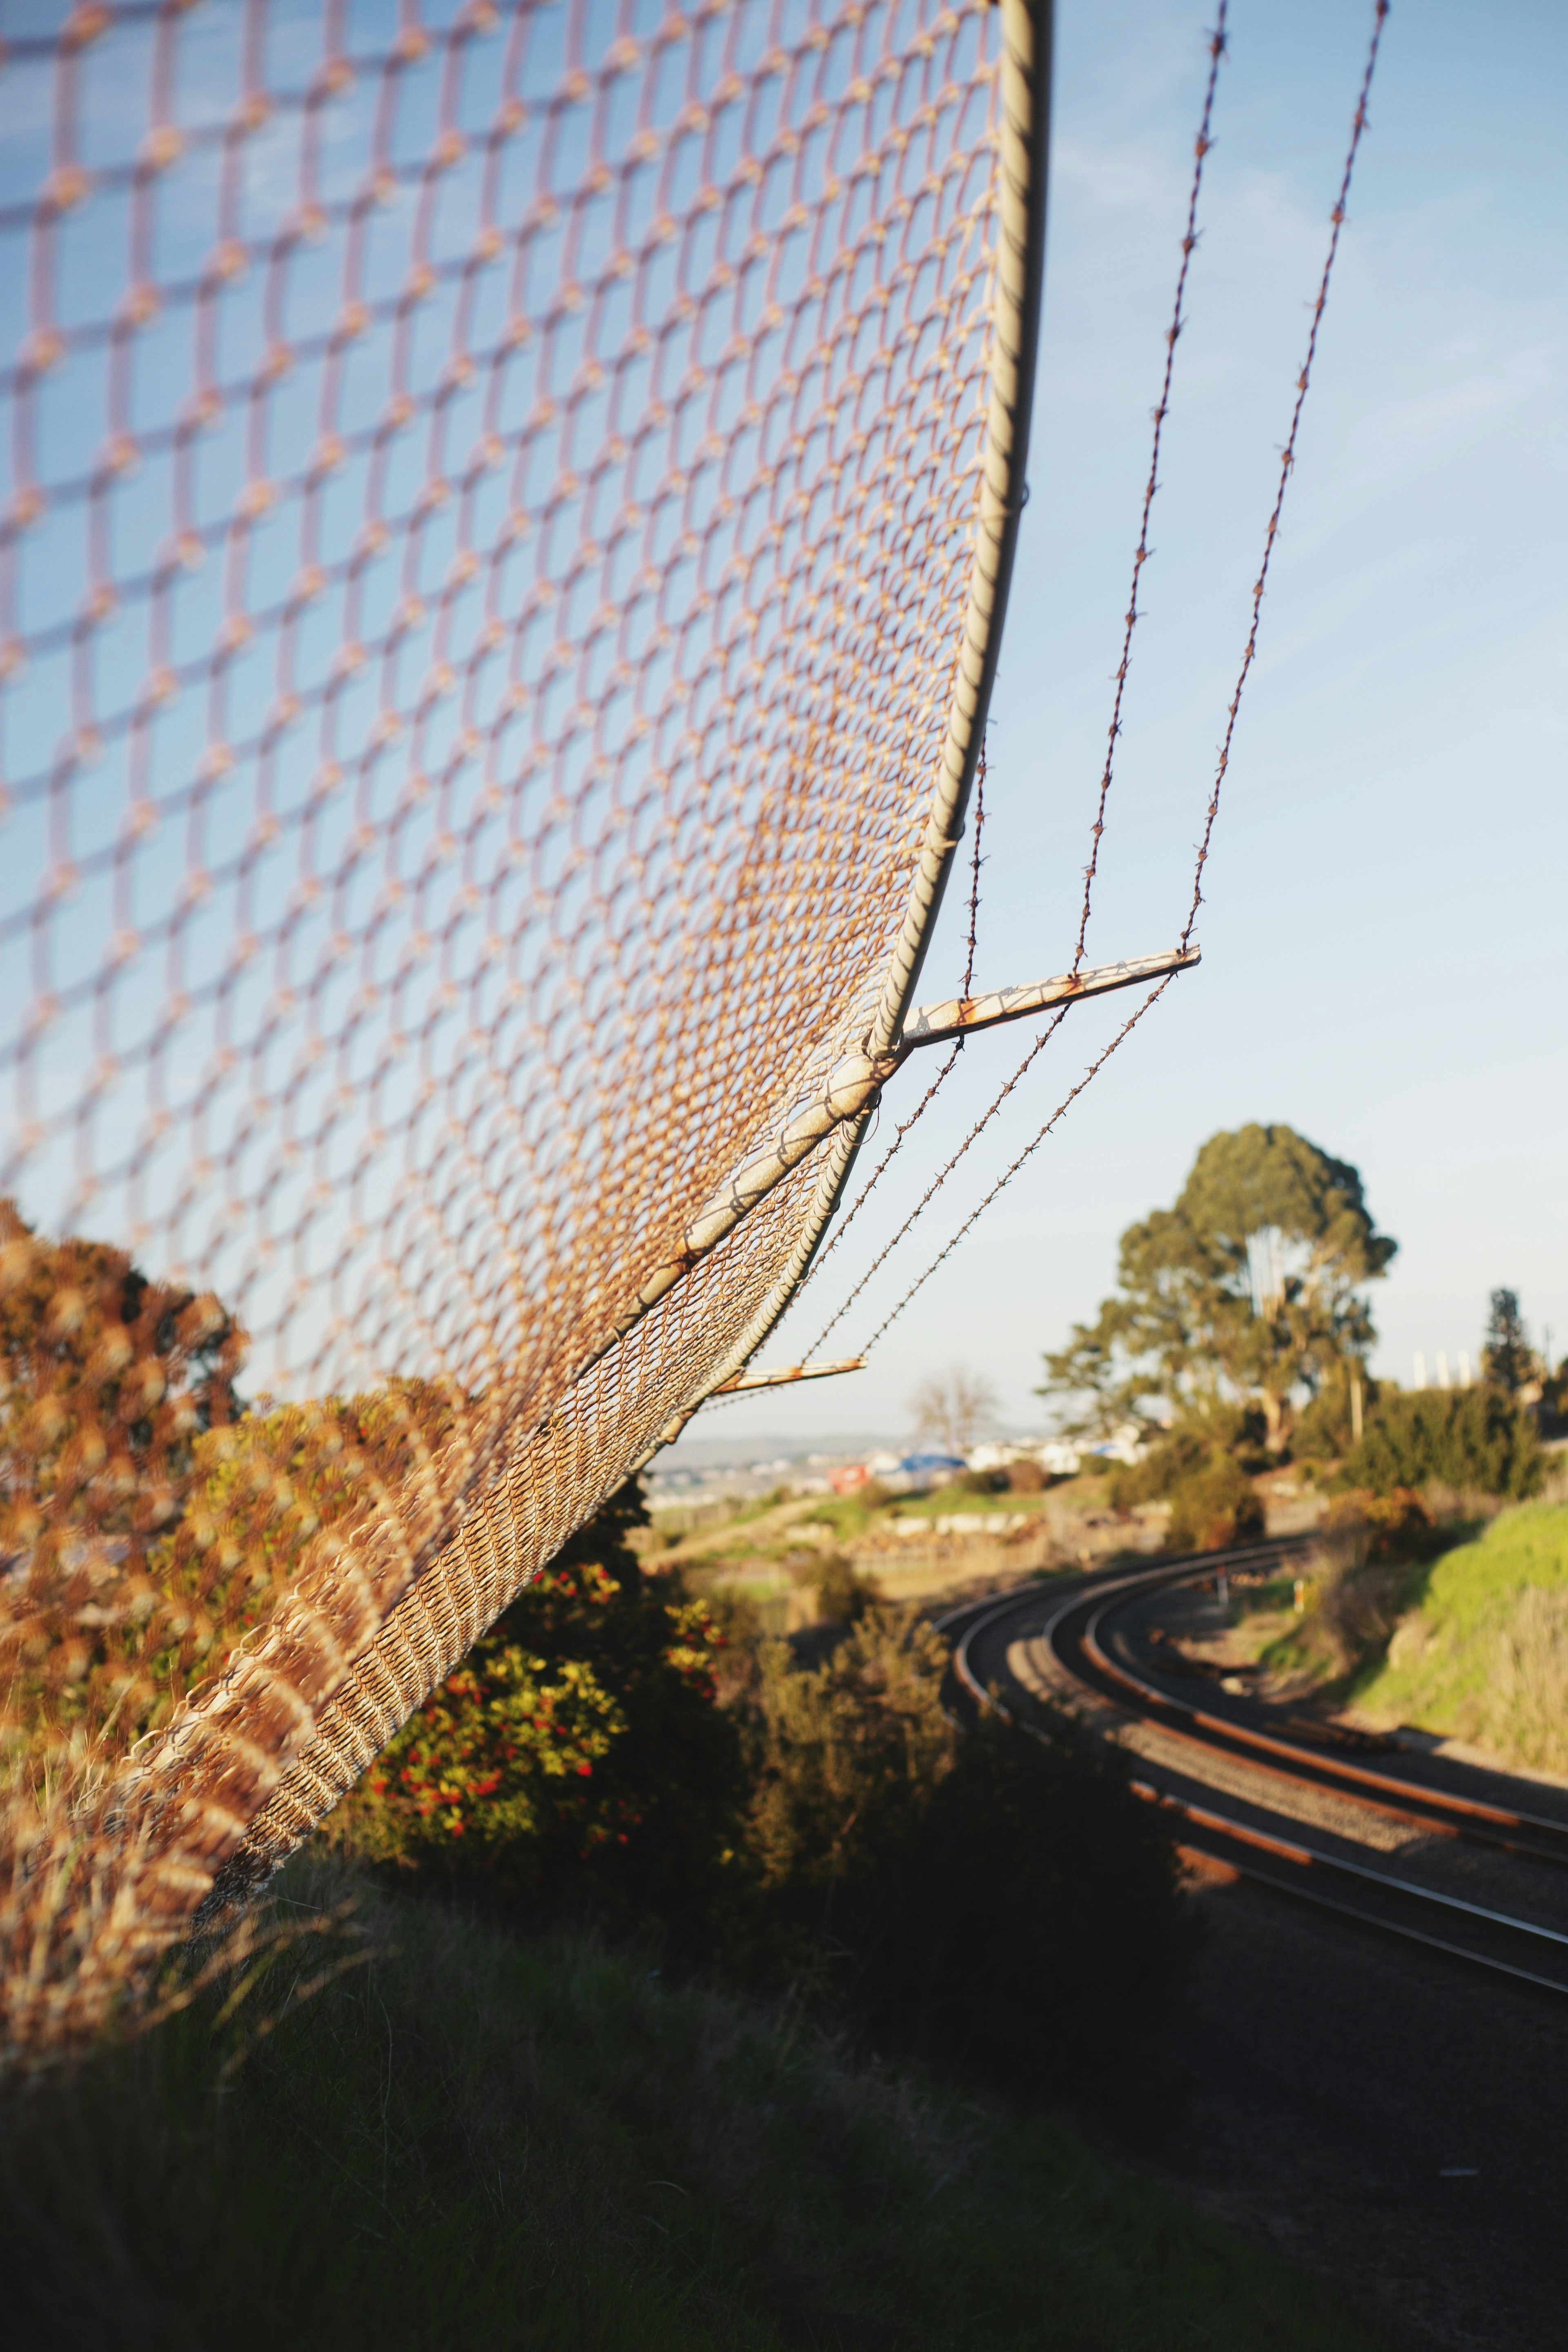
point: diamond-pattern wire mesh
(493, 500)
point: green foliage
(955, 1887)
(1183, 1453)
(1476, 1439)
(108, 1382)
(1217, 1504)
(846, 1753)
(1033, 1885)
(842, 1597)
(817, 1831)
(1484, 1657)
(1213, 1501)
(1506, 1359)
(545, 2147)
(1395, 1526)
(1325, 1429)
(159, 1520)
(1247, 1289)
(577, 1753)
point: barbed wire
(936, 1085)
(1287, 463)
(1287, 460)
(934, 1187)
(1202, 144)
(1062, 1107)
(974, 874)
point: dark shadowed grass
(474, 2139)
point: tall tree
(1506, 1359)
(1246, 1291)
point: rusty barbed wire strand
(890, 1154)
(1036, 1050)
(1288, 459)
(976, 1213)
(936, 1085)
(975, 873)
(1202, 144)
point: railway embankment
(1375, 2031)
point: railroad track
(1086, 1642)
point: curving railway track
(1425, 1849)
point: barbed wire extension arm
(1287, 463)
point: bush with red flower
(579, 1752)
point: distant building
(1060, 1459)
(1125, 1444)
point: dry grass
(549, 2147)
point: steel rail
(1459, 1816)
(1166, 1572)
(1242, 1840)
(1314, 1856)
(1298, 1891)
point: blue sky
(1384, 959)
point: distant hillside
(732, 1453)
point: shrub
(1213, 1502)
(1034, 1886)
(842, 1598)
(108, 1381)
(955, 1888)
(1214, 1505)
(844, 1751)
(578, 1753)
(1325, 1429)
(1027, 1478)
(1182, 1454)
(1476, 1439)
(1397, 1525)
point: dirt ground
(1383, 2117)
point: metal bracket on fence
(959, 1016)
(781, 1374)
(853, 1087)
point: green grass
(845, 1514)
(481, 2140)
(944, 1500)
(1484, 1656)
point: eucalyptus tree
(1247, 1291)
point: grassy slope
(1485, 1656)
(544, 2147)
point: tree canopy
(1247, 1291)
(1507, 1358)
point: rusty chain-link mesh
(506, 519)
